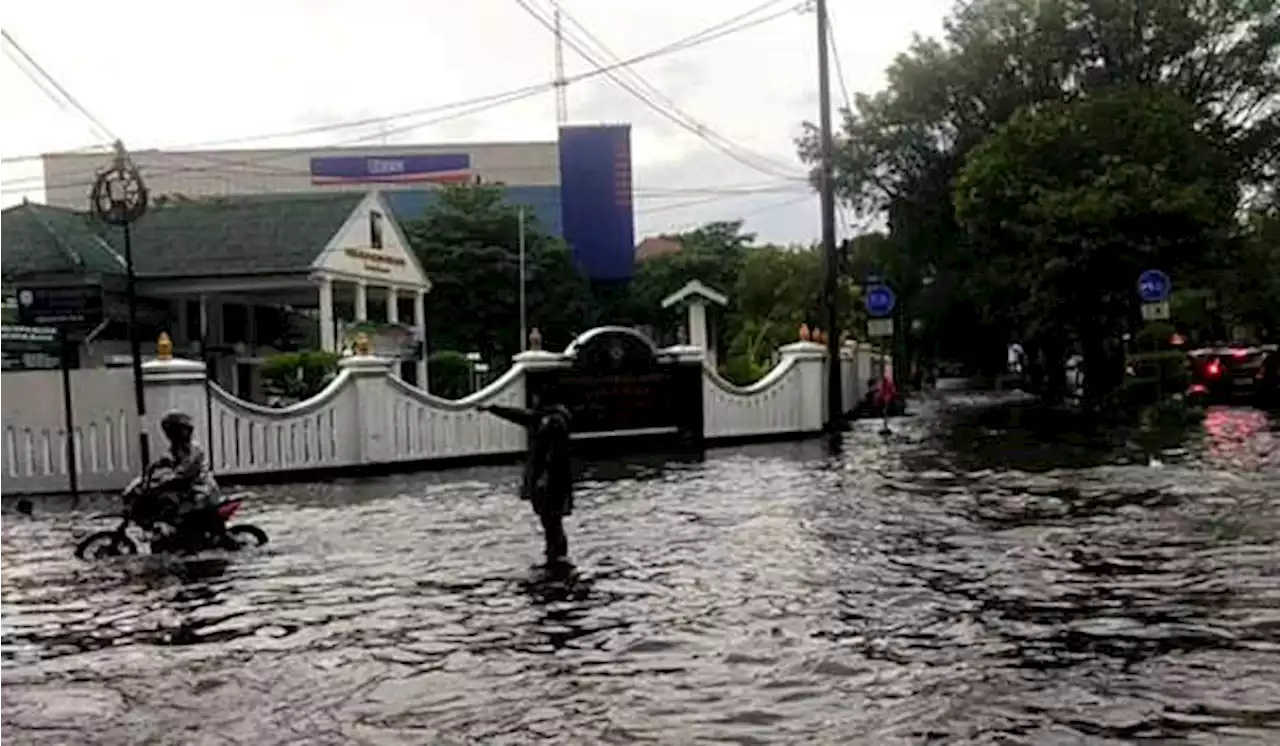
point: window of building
(235, 323)
(375, 229)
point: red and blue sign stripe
(439, 168)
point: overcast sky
(182, 73)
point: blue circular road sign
(1154, 286)
(880, 300)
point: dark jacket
(548, 475)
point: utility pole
(562, 94)
(524, 314)
(826, 191)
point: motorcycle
(142, 509)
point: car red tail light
(1213, 369)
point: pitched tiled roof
(42, 240)
(256, 234)
(656, 246)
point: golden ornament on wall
(164, 347)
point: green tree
(468, 243)
(899, 151)
(778, 289)
(712, 254)
(1250, 289)
(451, 373)
(1071, 201)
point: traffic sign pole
(1154, 287)
(880, 302)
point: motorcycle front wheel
(105, 544)
(245, 536)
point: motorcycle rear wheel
(105, 544)
(246, 535)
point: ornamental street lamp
(119, 198)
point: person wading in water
(548, 477)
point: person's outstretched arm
(526, 418)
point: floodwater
(954, 582)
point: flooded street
(946, 584)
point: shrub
(298, 375)
(449, 374)
(742, 370)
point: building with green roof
(246, 274)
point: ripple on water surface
(892, 594)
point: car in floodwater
(1233, 371)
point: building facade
(578, 187)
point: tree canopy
(468, 243)
(1206, 74)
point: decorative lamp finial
(164, 347)
(362, 344)
(805, 336)
(535, 339)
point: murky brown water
(900, 593)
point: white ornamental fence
(366, 416)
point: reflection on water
(928, 586)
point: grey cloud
(697, 189)
(457, 129)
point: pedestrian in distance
(548, 478)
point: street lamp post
(119, 198)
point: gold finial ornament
(805, 336)
(362, 344)
(164, 347)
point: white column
(204, 324)
(420, 324)
(327, 341)
(393, 317)
(362, 301)
(698, 329)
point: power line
(242, 166)
(652, 91)
(721, 197)
(709, 34)
(26, 63)
(698, 128)
(835, 54)
(749, 213)
(672, 113)
(484, 103)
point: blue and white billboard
(441, 168)
(596, 208)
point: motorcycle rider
(191, 480)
